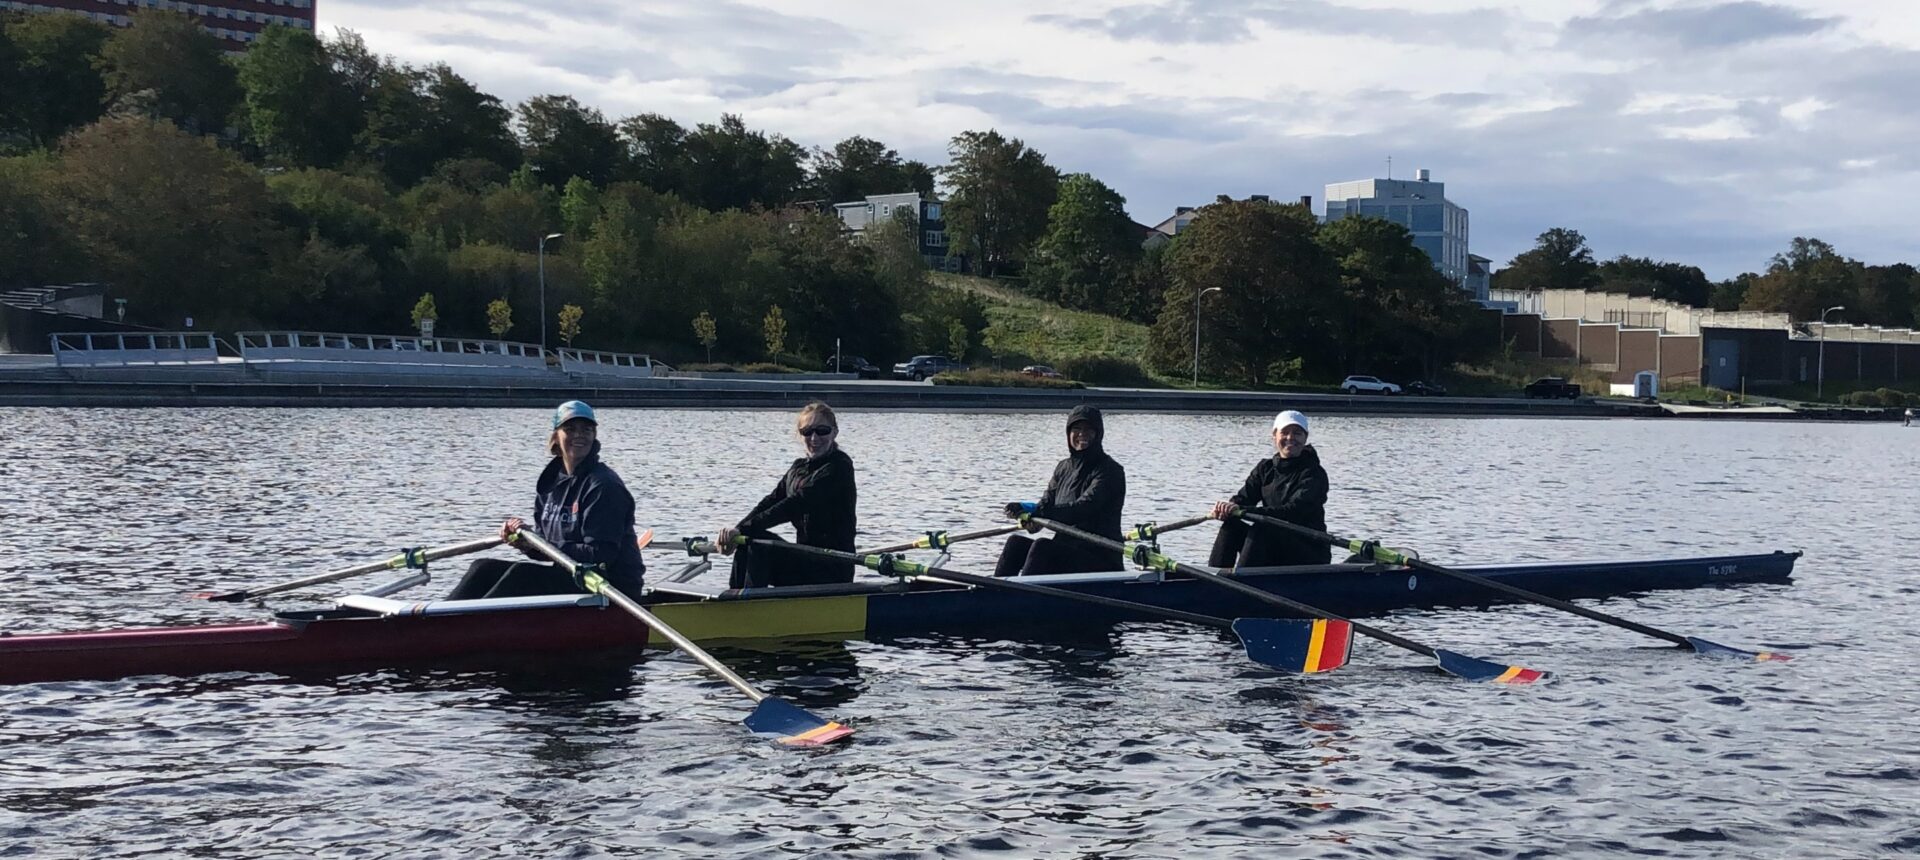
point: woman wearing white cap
(1290, 486)
(581, 507)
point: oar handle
(599, 585)
(942, 540)
(1370, 549)
(885, 563)
(415, 558)
(1165, 564)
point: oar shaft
(1248, 590)
(1149, 530)
(871, 560)
(396, 561)
(607, 590)
(945, 540)
(1380, 553)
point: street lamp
(1820, 375)
(543, 289)
(1196, 332)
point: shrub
(1103, 369)
(1001, 379)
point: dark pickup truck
(1552, 388)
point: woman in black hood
(1289, 485)
(817, 496)
(1087, 490)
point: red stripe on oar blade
(1518, 675)
(1336, 637)
(1771, 657)
(818, 737)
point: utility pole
(1820, 374)
(543, 290)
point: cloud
(1189, 22)
(1722, 25)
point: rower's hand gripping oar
(1470, 668)
(771, 714)
(413, 558)
(1288, 645)
(1372, 550)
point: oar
(942, 540)
(406, 558)
(1288, 644)
(1470, 668)
(1369, 549)
(771, 714)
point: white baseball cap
(1291, 417)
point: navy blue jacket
(589, 516)
(1087, 491)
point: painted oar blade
(794, 725)
(1296, 645)
(1476, 669)
(1715, 649)
(229, 597)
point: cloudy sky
(1699, 131)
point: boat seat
(386, 607)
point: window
(933, 211)
(936, 239)
(1428, 218)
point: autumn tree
(569, 320)
(499, 317)
(706, 332)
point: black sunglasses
(817, 430)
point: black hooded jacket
(589, 516)
(1295, 490)
(817, 496)
(1087, 491)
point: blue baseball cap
(573, 409)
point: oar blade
(229, 597)
(1296, 644)
(793, 725)
(1476, 669)
(1715, 649)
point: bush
(1880, 397)
(1001, 379)
(723, 367)
(1103, 369)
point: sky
(1697, 131)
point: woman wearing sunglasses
(817, 496)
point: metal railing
(132, 349)
(307, 346)
(608, 363)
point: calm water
(1153, 742)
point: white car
(1368, 385)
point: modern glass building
(1439, 227)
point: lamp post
(1196, 332)
(543, 289)
(1820, 375)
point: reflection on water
(1146, 740)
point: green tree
(1276, 282)
(34, 246)
(570, 316)
(999, 192)
(1089, 250)
(1730, 293)
(1394, 312)
(958, 340)
(579, 207)
(1804, 280)
(468, 123)
(564, 139)
(1559, 260)
(56, 84)
(499, 317)
(424, 311)
(860, 166)
(1888, 295)
(656, 149)
(297, 108)
(728, 166)
(706, 332)
(173, 68)
(773, 328)
(1641, 276)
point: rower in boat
(581, 507)
(1291, 486)
(1087, 491)
(817, 495)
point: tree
(424, 311)
(579, 207)
(297, 108)
(774, 329)
(34, 247)
(998, 195)
(570, 323)
(1809, 277)
(1559, 260)
(860, 166)
(656, 152)
(706, 332)
(468, 123)
(1888, 295)
(499, 317)
(729, 167)
(1730, 293)
(177, 70)
(1089, 249)
(1394, 312)
(564, 139)
(56, 86)
(1276, 283)
(958, 340)
(1641, 276)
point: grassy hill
(1025, 330)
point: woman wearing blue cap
(581, 507)
(1291, 486)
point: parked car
(922, 366)
(854, 364)
(1426, 389)
(1040, 370)
(1551, 387)
(1368, 385)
